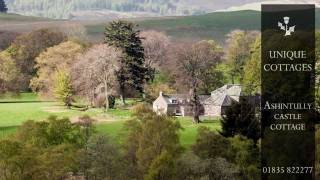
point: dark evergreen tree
(3, 7)
(228, 122)
(241, 119)
(132, 73)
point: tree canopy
(152, 144)
(132, 70)
(241, 119)
(9, 73)
(226, 158)
(239, 44)
(27, 47)
(252, 70)
(193, 63)
(63, 90)
(49, 62)
(3, 6)
(95, 69)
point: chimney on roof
(160, 93)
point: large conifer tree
(132, 73)
(3, 7)
(240, 119)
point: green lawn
(14, 114)
(189, 133)
(14, 110)
(19, 97)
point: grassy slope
(210, 26)
(24, 24)
(16, 17)
(15, 110)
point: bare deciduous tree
(192, 61)
(155, 47)
(97, 67)
(75, 31)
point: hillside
(16, 17)
(257, 4)
(66, 9)
(209, 26)
(23, 24)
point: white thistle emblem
(286, 28)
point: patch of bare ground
(54, 109)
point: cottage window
(174, 101)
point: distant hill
(71, 9)
(256, 5)
(209, 26)
(66, 9)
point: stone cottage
(221, 99)
(211, 105)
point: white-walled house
(174, 104)
(212, 105)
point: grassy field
(14, 110)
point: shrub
(62, 88)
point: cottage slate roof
(182, 97)
(229, 89)
(203, 98)
(223, 100)
(166, 98)
(174, 97)
(225, 95)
